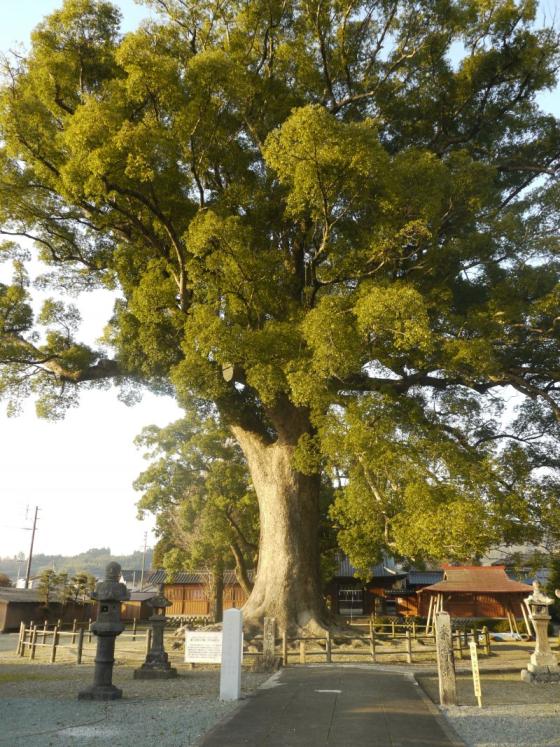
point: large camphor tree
(335, 220)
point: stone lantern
(543, 666)
(109, 593)
(157, 664)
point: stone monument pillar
(157, 664)
(543, 665)
(109, 594)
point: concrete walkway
(340, 706)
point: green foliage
(323, 197)
(199, 489)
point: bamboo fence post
(392, 629)
(302, 651)
(33, 642)
(89, 630)
(284, 649)
(26, 639)
(80, 648)
(328, 648)
(54, 644)
(414, 629)
(408, 647)
(74, 625)
(45, 627)
(460, 645)
(372, 641)
(59, 624)
(486, 643)
(20, 638)
(474, 636)
(134, 629)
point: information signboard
(203, 647)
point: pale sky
(80, 471)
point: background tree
(80, 587)
(310, 209)
(5, 580)
(201, 494)
(51, 586)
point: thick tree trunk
(287, 586)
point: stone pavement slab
(336, 707)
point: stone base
(153, 673)
(540, 675)
(100, 692)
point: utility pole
(143, 561)
(28, 571)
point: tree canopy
(336, 220)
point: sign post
(475, 673)
(232, 652)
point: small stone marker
(232, 650)
(445, 662)
(269, 640)
(475, 673)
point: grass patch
(26, 676)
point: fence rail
(72, 642)
(415, 644)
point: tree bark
(241, 572)
(287, 585)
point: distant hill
(91, 561)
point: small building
(349, 596)
(137, 607)
(27, 605)
(404, 595)
(190, 593)
(475, 591)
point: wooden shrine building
(475, 591)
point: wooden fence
(382, 640)
(335, 646)
(77, 642)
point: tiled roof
(189, 577)
(489, 578)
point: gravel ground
(507, 726)
(514, 713)
(39, 707)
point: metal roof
(21, 595)
(142, 596)
(347, 570)
(423, 578)
(488, 578)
